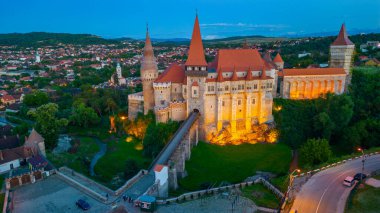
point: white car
(349, 181)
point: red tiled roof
(342, 38)
(174, 74)
(195, 84)
(234, 76)
(158, 168)
(249, 75)
(314, 71)
(7, 98)
(241, 59)
(220, 76)
(196, 55)
(278, 58)
(263, 74)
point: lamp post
(291, 179)
(363, 161)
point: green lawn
(213, 164)
(261, 196)
(366, 199)
(79, 161)
(112, 164)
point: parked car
(349, 181)
(83, 204)
(357, 176)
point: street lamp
(363, 161)
(291, 179)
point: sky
(175, 18)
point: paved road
(324, 191)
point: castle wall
(178, 111)
(176, 92)
(309, 87)
(135, 105)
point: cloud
(222, 24)
(210, 37)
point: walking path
(102, 151)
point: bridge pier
(175, 154)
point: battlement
(162, 85)
(136, 96)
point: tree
(47, 124)
(83, 116)
(111, 105)
(315, 151)
(131, 168)
(37, 98)
(323, 125)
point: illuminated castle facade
(233, 92)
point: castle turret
(149, 73)
(278, 62)
(341, 51)
(196, 73)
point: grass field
(214, 164)
(78, 161)
(365, 199)
(261, 196)
(112, 164)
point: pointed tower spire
(249, 76)
(278, 58)
(149, 61)
(220, 78)
(342, 38)
(234, 75)
(263, 73)
(196, 56)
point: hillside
(38, 39)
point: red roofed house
(7, 100)
(231, 93)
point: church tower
(38, 57)
(196, 73)
(341, 51)
(149, 73)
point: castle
(236, 90)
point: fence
(197, 194)
(333, 164)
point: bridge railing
(172, 138)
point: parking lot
(52, 195)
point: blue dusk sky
(175, 18)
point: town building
(117, 78)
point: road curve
(324, 191)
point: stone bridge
(170, 162)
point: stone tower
(341, 51)
(149, 73)
(196, 73)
